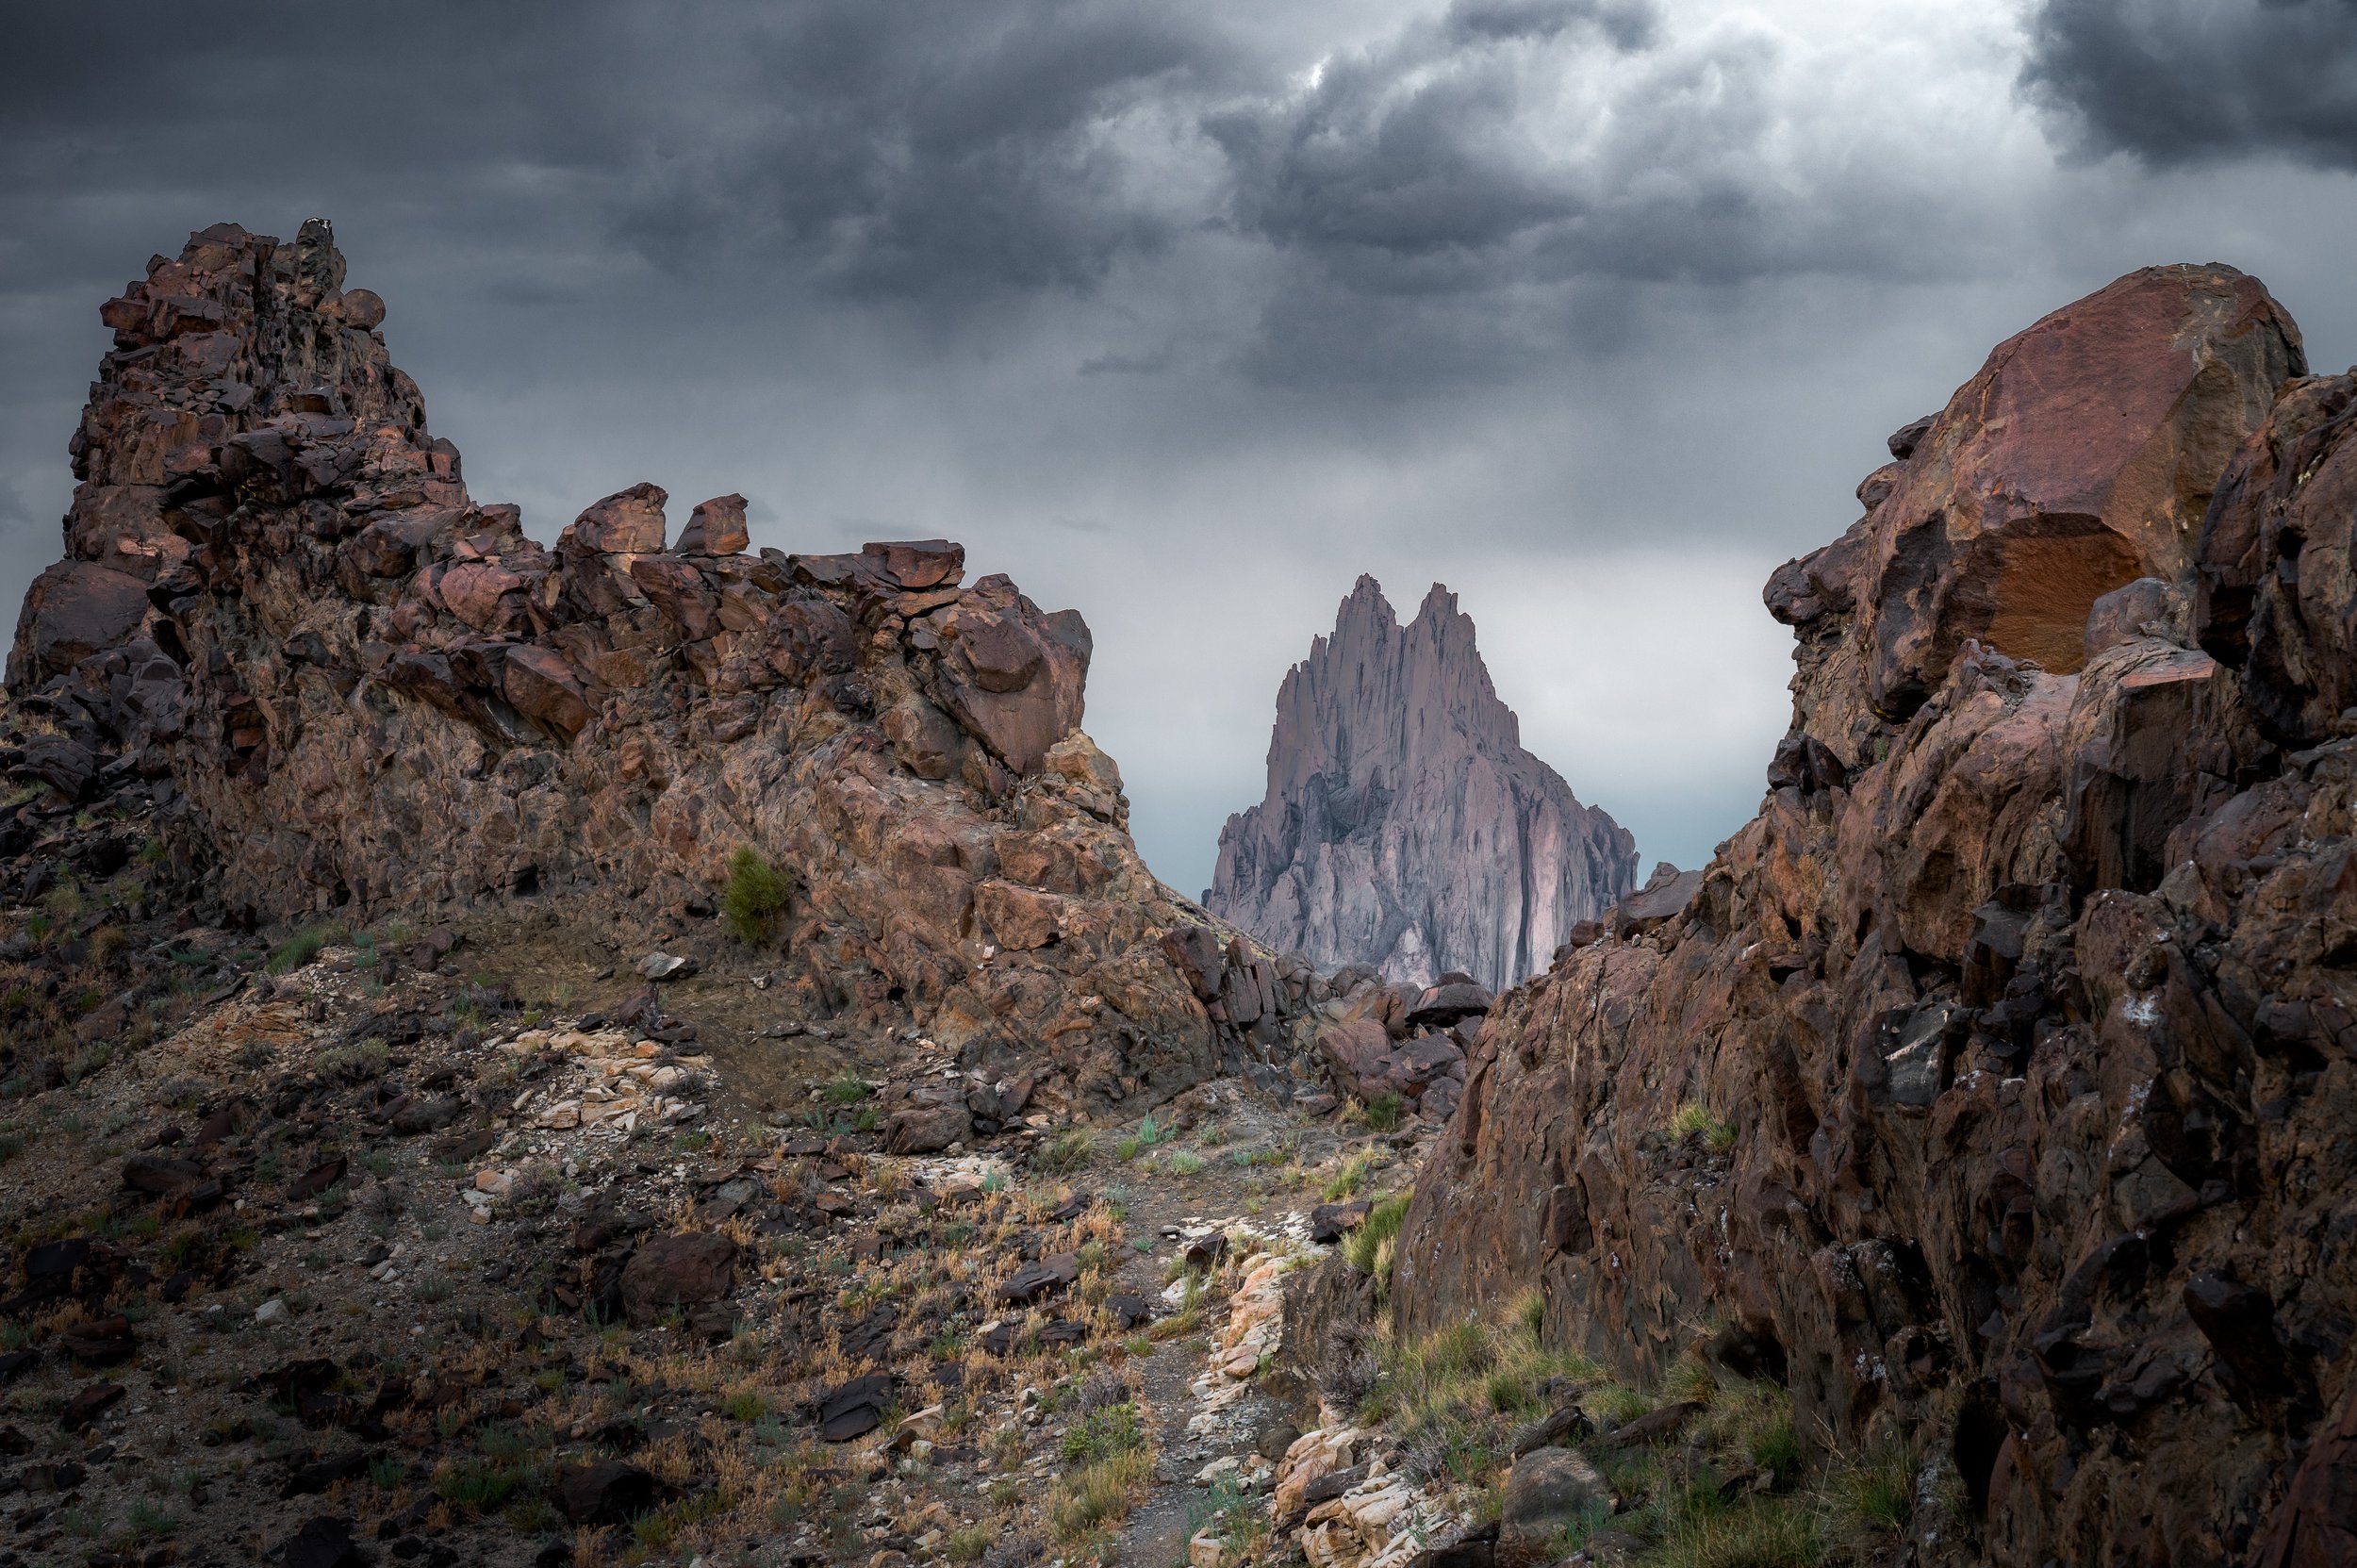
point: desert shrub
(1693, 1118)
(756, 894)
(302, 947)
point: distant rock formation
(1405, 826)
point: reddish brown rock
(376, 695)
(1405, 827)
(73, 610)
(715, 527)
(667, 1273)
(2021, 998)
(628, 521)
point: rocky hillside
(348, 689)
(1405, 827)
(1993, 1087)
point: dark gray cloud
(923, 149)
(1183, 314)
(2176, 81)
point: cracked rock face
(371, 693)
(1405, 827)
(2022, 1009)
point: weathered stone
(603, 1492)
(927, 1128)
(160, 1174)
(626, 522)
(715, 527)
(382, 698)
(1047, 1277)
(1547, 1491)
(683, 1269)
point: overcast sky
(1186, 315)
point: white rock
(272, 1310)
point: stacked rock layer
(2013, 1036)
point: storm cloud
(2177, 81)
(1184, 316)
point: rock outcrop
(2019, 1018)
(1405, 827)
(355, 689)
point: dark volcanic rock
(2025, 998)
(684, 1270)
(1405, 827)
(604, 1492)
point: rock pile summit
(359, 690)
(1405, 827)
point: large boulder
(669, 1272)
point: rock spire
(1405, 827)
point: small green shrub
(1065, 1152)
(302, 947)
(1383, 1112)
(1695, 1119)
(756, 894)
(1370, 1247)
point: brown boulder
(544, 688)
(715, 527)
(918, 564)
(1019, 918)
(927, 1128)
(73, 610)
(603, 1492)
(472, 589)
(2080, 458)
(629, 522)
(683, 1269)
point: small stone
(272, 1310)
(663, 965)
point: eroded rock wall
(366, 692)
(2023, 1007)
(1405, 827)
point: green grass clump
(1065, 1152)
(1370, 1248)
(847, 1088)
(756, 894)
(354, 1063)
(1103, 1434)
(1692, 1118)
(302, 947)
(1346, 1181)
(1099, 1496)
(1383, 1112)
(1145, 1137)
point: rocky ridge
(1992, 1088)
(337, 684)
(1405, 827)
